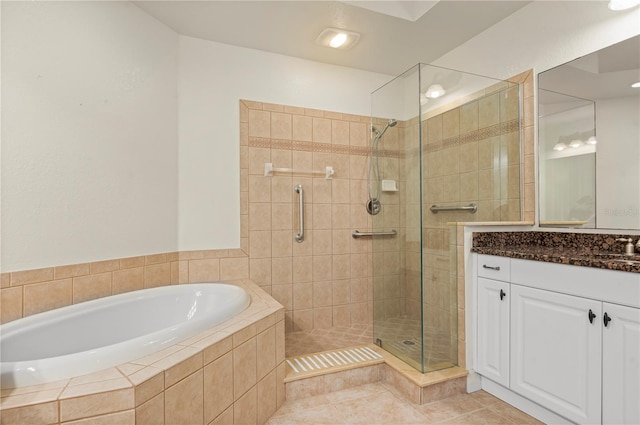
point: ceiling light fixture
(622, 4)
(636, 85)
(576, 143)
(559, 147)
(435, 91)
(337, 38)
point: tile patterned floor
(378, 404)
(393, 332)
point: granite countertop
(602, 254)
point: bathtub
(94, 335)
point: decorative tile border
(297, 145)
(475, 136)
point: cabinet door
(556, 349)
(621, 365)
(493, 330)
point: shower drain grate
(312, 364)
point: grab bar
(472, 208)
(300, 235)
(357, 234)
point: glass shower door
(446, 148)
(397, 260)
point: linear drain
(332, 359)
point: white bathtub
(90, 336)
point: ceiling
(605, 74)
(395, 35)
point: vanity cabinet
(621, 365)
(556, 343)
(564, 337)
(493, 318)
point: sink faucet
(629, 248)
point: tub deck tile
(128, 417)
(145, 374)
(180, 365)
(7, 392)
(31, 398)
(102, 375)
(39, 414)
(146, 390)
(159, 355)
(218, 345)
(97, 387)
(129, 369)
(96, 404)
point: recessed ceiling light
(623, 4)
(434, 91)
(636, 85)
(337, 38)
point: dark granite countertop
(586, 250)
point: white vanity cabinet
(493, 318)
(556, 342)
(621, 365)
(550, 345)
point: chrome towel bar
(357, 234)
(472, 208)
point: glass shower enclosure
(445, 149)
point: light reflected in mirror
(589, 140)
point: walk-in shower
(448, 155)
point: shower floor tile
(377, 404)
(395, 333)
(316, 340)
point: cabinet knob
(592, 316)
(502, 295)
(606, 319)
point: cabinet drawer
(493, 267)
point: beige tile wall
(324, 281)
(23, 293)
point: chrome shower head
(391, 123)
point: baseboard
(524, 404)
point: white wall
(89, 133)
(618, 160)
(213, 78)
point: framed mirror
(589, 140)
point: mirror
(589, 140)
